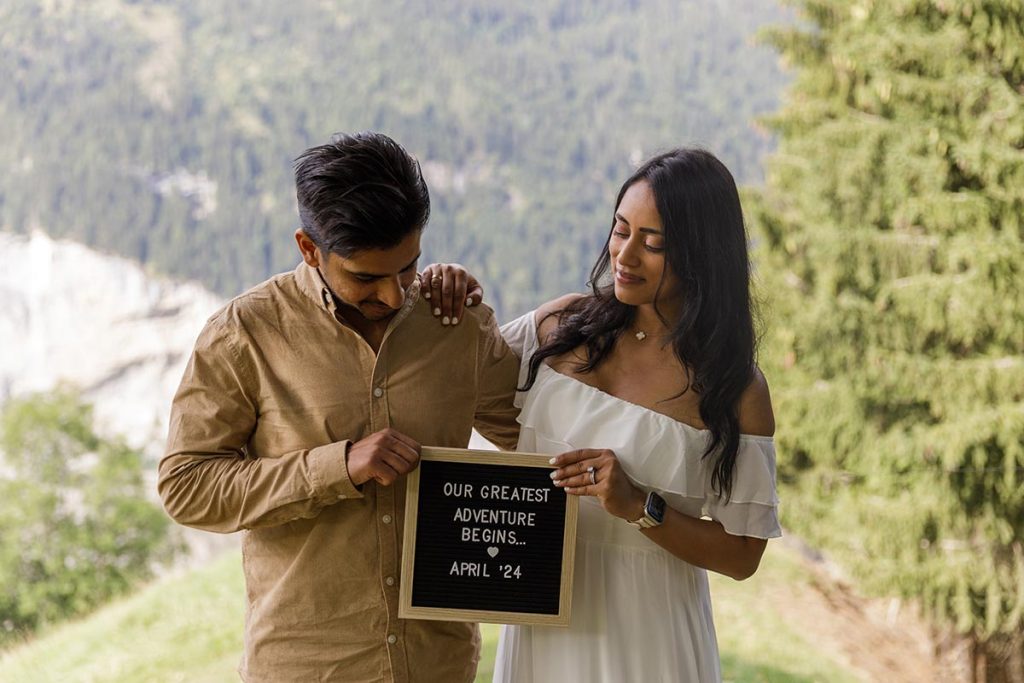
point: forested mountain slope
(164, 130)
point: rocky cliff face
(100, 323)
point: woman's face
(637, 248)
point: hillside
(69, 314)
(788, 624)
(107, 327)
(164, 130)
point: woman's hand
(606, 481)
(701, 542)
(450, 288)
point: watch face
(656, 507)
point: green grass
(757, 643)
(188, 628)
(181, 628)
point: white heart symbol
(492, 551)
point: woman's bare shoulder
(755, 410)
(547, 314)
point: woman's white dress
(638, 612)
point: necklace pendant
(641, 335)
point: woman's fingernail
(437, 311)
(426, 295)
(553, 474)
(469, 301)
(552, 461)
(445, 320)
(455, 321)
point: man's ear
(310, 254)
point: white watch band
(644, 522)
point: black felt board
(456, 570)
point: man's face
(372, 282)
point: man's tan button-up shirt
(275, 391)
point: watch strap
(646, 520)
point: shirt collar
(312, 285)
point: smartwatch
(654, 512)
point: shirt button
(386, 519)
(378, 392)
(390, 581)
(392, 640)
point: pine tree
(891, 233)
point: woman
(647, 392)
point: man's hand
(383, 457)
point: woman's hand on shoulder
(450, 288)
(755, 409)
(547, 314)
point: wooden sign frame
(406, 610)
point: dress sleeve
(521, 336)
(752, 509)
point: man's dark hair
(361, 191)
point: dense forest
(164, 130)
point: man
(302, 409)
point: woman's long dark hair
(712, 332)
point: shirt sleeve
(207, 479)
(497, 376)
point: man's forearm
(228, 492)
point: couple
(306, 399)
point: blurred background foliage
(78, 527)
(164, 130)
